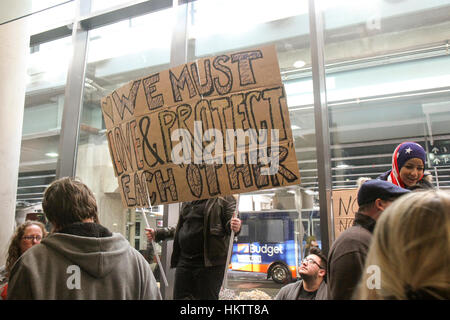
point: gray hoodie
(292, 290)
(67, 266)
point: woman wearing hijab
(408, 165)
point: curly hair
(14, 251)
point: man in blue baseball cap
(348, 253)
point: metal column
(178, 55)
(73, 98)
(321, 124)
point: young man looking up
(312, 286)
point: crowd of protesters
(397, 248)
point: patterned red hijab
(404, 152)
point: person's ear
(380, 204)
(322, 272)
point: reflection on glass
(48, 64)
(131, 39)
(118, 53)
(52, 16)
(44, 101)
(98, 5)
(284, 24)
(13, 9)
(38, 5)
(386, 83)
(254, 22)
(268, 248)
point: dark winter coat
(216, 231)
(347, 258)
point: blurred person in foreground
(28, 234)
(349, 251)
(80, 259)
(409, 258)
(312, 285)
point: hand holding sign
(235, 224)
(150, 233)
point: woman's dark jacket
(216, 231)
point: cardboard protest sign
(215, 126)
(345, 205)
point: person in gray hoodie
(80, 259)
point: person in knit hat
(408, 165)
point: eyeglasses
(31, 238)
(309, 261)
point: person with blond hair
(409, 257)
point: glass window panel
(257, 23)
(138, 229)
(269, 230)
(98, 5)
(13, 9)
(53, 17)
(44, 102)
(260, 23)
(118, 53)
(244, 231)
(38, 5)
(387, 82)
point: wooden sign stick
(230, 245)
(161, 270)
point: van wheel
(280, 274)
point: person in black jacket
(200, 247)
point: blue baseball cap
(374, 189)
